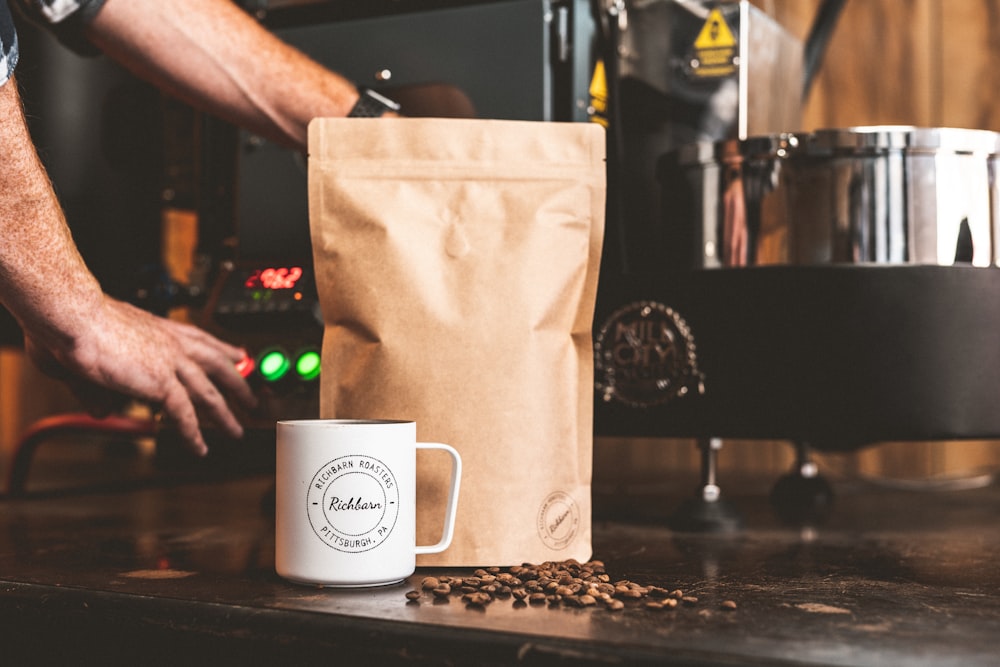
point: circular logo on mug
(353, 502)
(558, 520)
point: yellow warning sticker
(715, 34)
(715, 49)
(599, 95)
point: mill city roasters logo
(645, 355)
(353, 503)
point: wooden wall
(919, 62)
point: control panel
(272, 310)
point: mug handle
(456, 482)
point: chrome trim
(863, 195)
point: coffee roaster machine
(832, 289)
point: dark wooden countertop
(183, 573)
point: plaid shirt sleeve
(65, 18)
(56, 11)
(8, 43)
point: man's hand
(175, 367)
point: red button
(245, 365)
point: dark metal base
(802, 501)
(837, 356)
(703, 516)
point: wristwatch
(372, 105)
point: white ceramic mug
(345, 504)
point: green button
(308, 365)
(273, 365)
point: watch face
(371, 105)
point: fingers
(180, 410)
(201, 366)
(206, 396)
(224, 374)
(217, 358)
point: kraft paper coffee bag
(456, 262)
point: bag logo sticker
(353, 503)
(645, 355)
(558, 520)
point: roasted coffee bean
(477, 599)
(567, 583)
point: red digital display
(274, 278)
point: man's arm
(99, 345)
(214, 56)
(42, 276)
